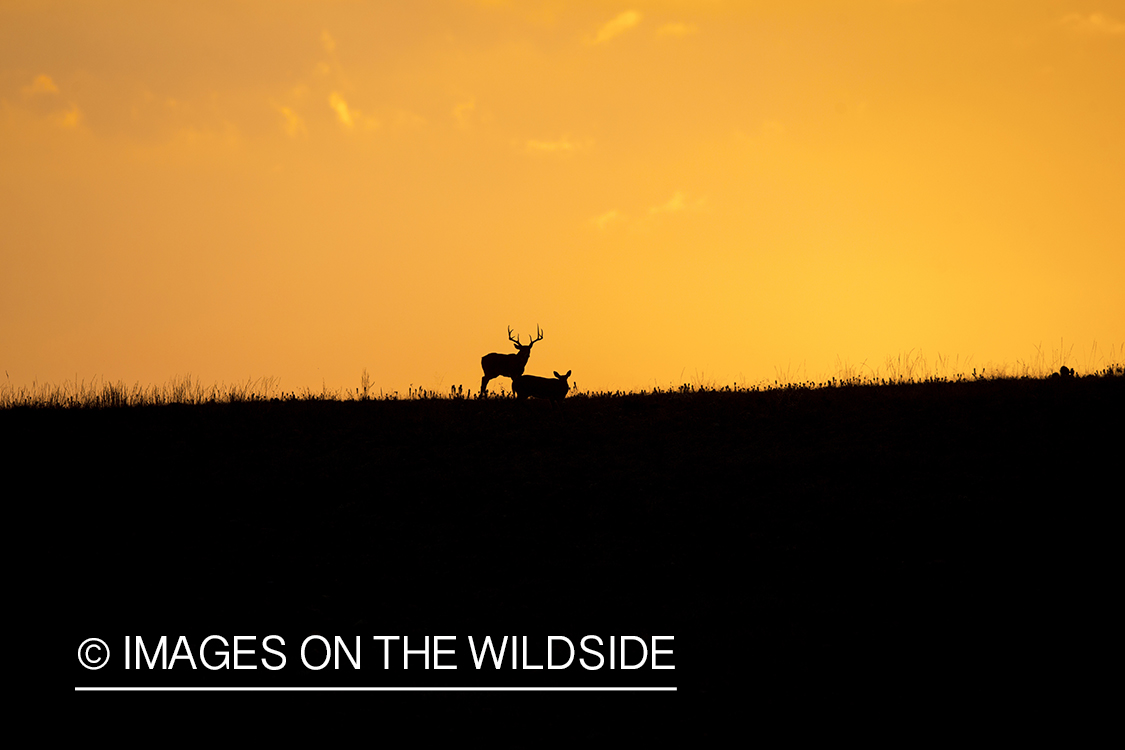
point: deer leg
(484, 384)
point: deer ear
(564, 377)
(557, 374)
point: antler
(540, 337)
(513, 340)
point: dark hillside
(794, 541)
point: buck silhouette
(508, 365)
(530, 385)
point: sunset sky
(673, 191)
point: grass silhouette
(908, 368)
(909, 526)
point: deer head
(522, 348)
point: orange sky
(673, 191)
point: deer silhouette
(530, 385)
(508, 365)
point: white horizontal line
(369, 689)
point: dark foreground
(848, 546)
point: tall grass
(100, 393)
(914, 367)
(910, 367)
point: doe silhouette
(530, 385)
(508, 365)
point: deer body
(530, 385)
(508, 365)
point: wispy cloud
(294, 125)
(350, 117)
(41, 85)
(676, 29)
(464, 111)
(561, 146)
(603, 221)
(679, 203)
(617, 26)
(343, 114)
(331, 66)
(403, 119)
(1094, 24)
(676, 204)
(69, 119)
